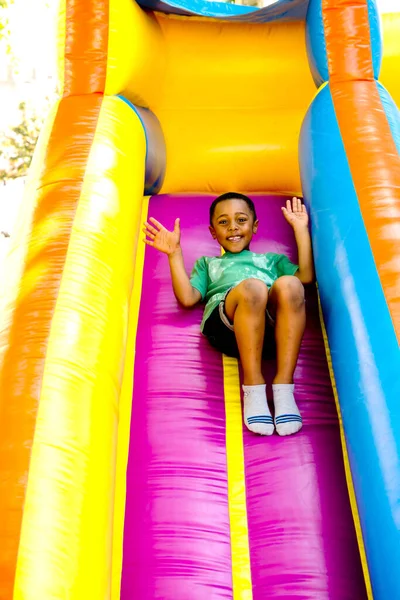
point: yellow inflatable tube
(230, 87)
(73, 293)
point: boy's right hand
(160, 238)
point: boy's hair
(233, 196)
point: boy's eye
(223, 222)
(242, 219)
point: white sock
(287, 415)
(257, 416)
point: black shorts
(219, 332)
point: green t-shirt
(213, 276)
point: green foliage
(4, 4)
(17, 145)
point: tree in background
(17, 145)
(4, 32)
(18, 142)
(3, 21)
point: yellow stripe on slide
(125, 416)
(241, 571)
(349, 478)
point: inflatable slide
(125, 470)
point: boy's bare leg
(245, 307)
(286, 305)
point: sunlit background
(27, 74)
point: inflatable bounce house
(125, 471)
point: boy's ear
(212, 231)
(255, 226)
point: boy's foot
(257, 416)
(287, 415)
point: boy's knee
(290, 289)
(254, 291)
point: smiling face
(233, 225)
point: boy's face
(233, 225)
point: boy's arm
(305, 257)
(296, 215)
(168, 242)
(184, 292)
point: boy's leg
(245, 307)
(286, 304)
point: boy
(253, 301)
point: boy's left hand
(295, 213)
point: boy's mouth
(234, 238)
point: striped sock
(287, 415)
(257, 416)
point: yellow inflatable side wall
(230, 87)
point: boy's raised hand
(295, 213)
(160, 238)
